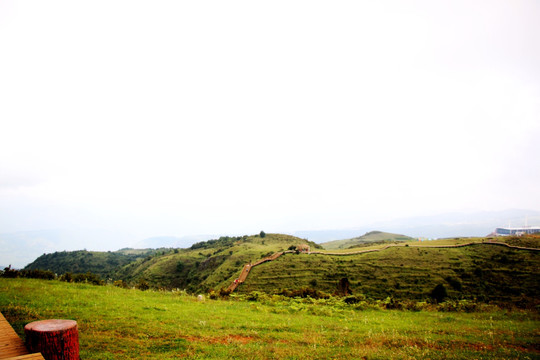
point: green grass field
(117, 323)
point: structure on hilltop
(517, 231)
(304, 248)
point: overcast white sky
(189, 117)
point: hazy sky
(189, 117)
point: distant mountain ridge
(368, 238)
(21, 248)
(447, 225)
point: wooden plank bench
(27, 357)
(11, 345)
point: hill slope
(366, 239)
(206, 265)
(104, 264)
(484, 271)
(409, 271)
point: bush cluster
(304, 293)
(30, 274)
(82, 278)
(318, 306)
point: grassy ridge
(117, 323)
(366, 239)
(485, 272)
(207, 265)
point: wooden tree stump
(54, 339)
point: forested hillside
(104, 264)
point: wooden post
(54, 339)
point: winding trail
(247, 268)
(426, 246)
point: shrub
(459, 306)
(67, 277)
(142, 285)
(253, 296)
(38, 274)
(438, 294)
(224, 293)
(10, 273)
(304, 293)
(121, 284)
(455, 283)
(391, 303)
(88, 278)
(343, 288)
(353, 299)
(180, 266)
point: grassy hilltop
(206, 265)
(410, 272)
(370, 238)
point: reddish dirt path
(247, 268)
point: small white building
(517, 231)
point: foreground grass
(117, 323)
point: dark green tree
(439, 293)
(179, 266)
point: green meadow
(117, 323)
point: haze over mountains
(458, 224)
(21, 248)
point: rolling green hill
(483, 271)
(213, 264)
(365, 240)
(206, 265)
(408, 270)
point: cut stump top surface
(51, 325)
